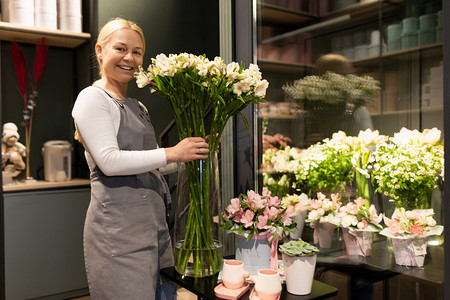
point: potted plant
(299, 260)
(409, 230)
(297, 206)
(359, 221)
(259, 222)
(322, 216)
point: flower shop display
(278, 169)
(297, 206)
(299, 260)
(408, 167)
(259, 221)
(29, 100)
(323, 218)
(325, 167)
(409, 230)
(359, 221)
(203, 95)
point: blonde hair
(334, 63)
(110, 27)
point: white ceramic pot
(299, 271)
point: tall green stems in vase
(203, 95)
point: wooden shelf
(283, 67)
(284, 16)
(431, 50)
(410, 111)
(31, 35)
(364, 9)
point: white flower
(349, 220)
(261, 87)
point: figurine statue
(13, 151)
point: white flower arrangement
(326, 166)
(408, 167)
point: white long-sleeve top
(97, 119)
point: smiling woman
(126, 238)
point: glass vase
(197, 249)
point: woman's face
(121, 55)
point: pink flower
(274, 201)
(363, 224)
(416, 229)
(262, 221)
(321, 196)
(234, 207)
(394, 226)
(272, 212)
(286, 220)
(247, 218)
(320, 211)
(373, 212)
(360, 201)
(431, 222)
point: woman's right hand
(188, 149)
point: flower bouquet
(359, 221)
(257, 218)
(325, 167)
(322, 216)
(408, 167)
(297, 207)
(409, 230)
(199, 89)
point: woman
(126, 240)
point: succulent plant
(298, 248)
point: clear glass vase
(197, 249)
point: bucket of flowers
(359, 221)
(259, 222)
(409, 230)
(408, 167)
(297, 206)
(322, 216)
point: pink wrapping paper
(358, 242)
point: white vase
(299, 272)
(297, 232)
(357, 242)
(410, 252)
(255, 253)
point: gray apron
(126, 239)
